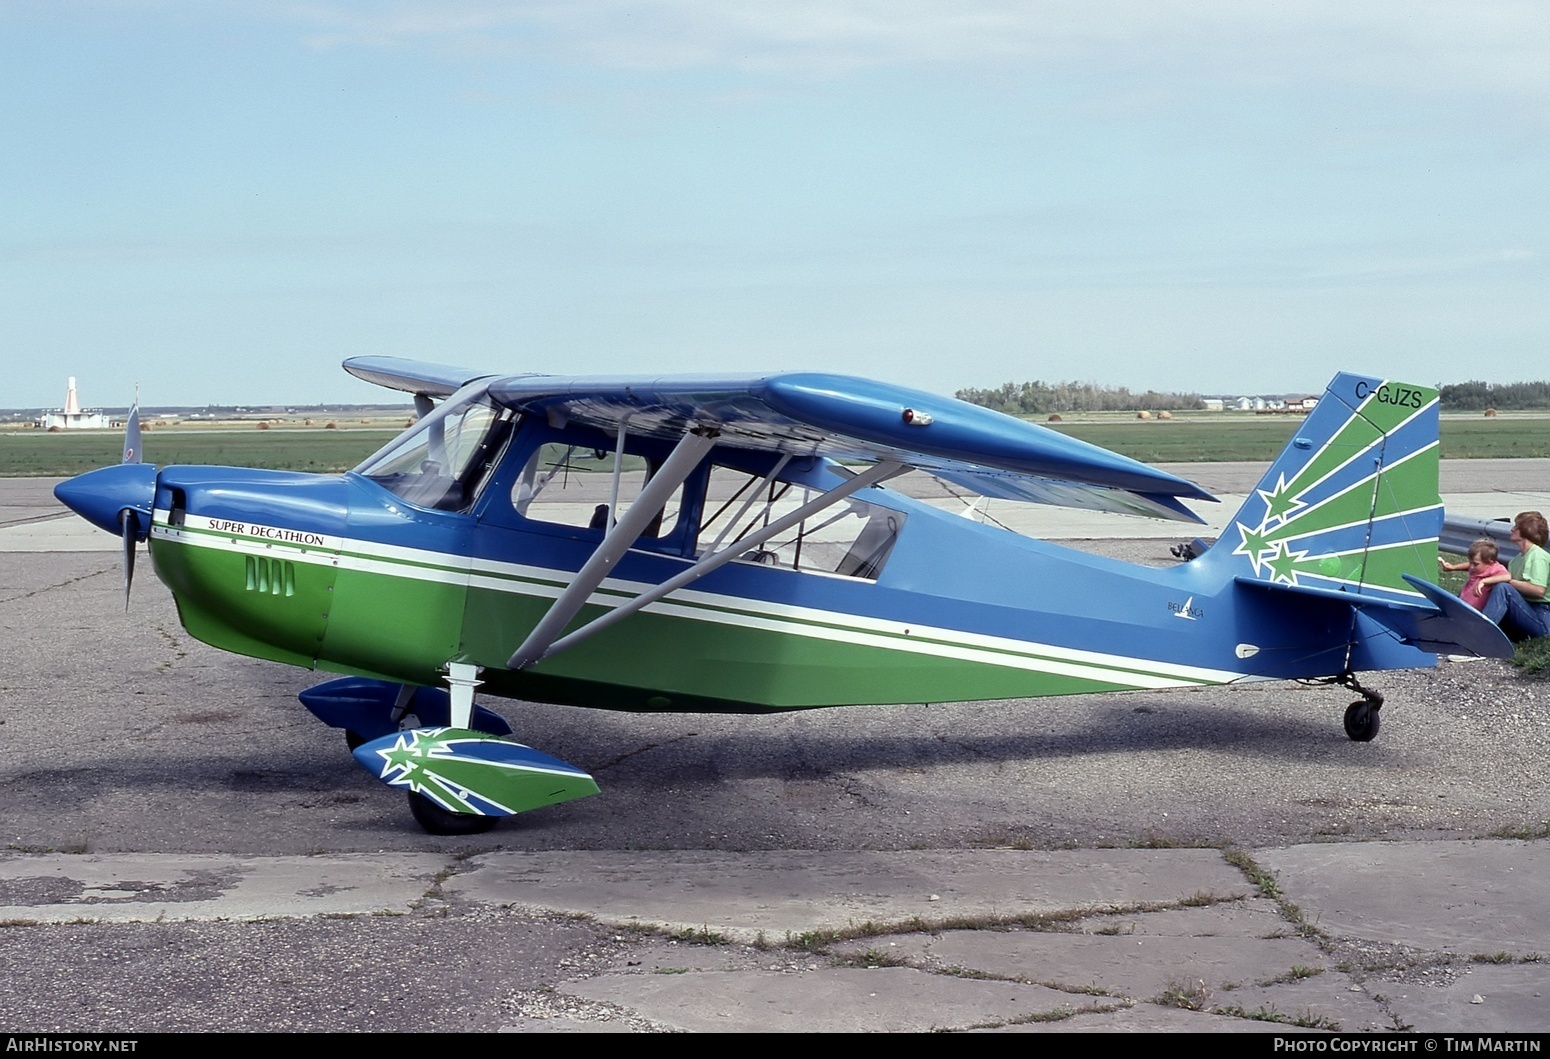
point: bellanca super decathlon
(736, 550)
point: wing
(412, 376)
(847, 418)
(837, 416)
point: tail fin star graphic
(1351, 504)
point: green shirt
(1533, 565)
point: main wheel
(1361, 721)
(438, 821)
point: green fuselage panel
(404, 618)
(265, 602)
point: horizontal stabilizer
(1456, 628)
(1443, 624)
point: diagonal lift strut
(536, 648)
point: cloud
(1496, 46)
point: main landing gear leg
(462, 679)
(1361, 717)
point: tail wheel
(1361, 721)
(438, 821)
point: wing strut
(877, 473)
(613, 487)
(753, 496)
(648, 505)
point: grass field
(26, 453)
(37, 454)
(1261, 438)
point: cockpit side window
(852, 538)
(445, 460)
(572, 485)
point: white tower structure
(72, 418)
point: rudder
(1351, 504)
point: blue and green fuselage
(344, 574)
(336, 573)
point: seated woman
(1517, 600)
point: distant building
(72, 418)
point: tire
(438, 821)
(1361, 721)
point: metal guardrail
(1459, 533)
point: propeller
(118, 498)
(129, 523)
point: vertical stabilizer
(1351, 504)
(132, 452)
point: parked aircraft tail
(1351, 504)
(1350, 513)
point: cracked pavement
(186, 849)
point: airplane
(729, 544)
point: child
(1482, 564)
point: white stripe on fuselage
(459, 570)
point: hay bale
(1143, 414)
(1054, 417)
(1490, 412)
(1165, 414)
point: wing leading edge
(840, 417)
(412, 376)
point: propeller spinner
(117, 499)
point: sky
(220, 200)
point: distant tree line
(1475, 396)
(1039, 398)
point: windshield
(444, 461)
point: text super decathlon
(730, 545)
